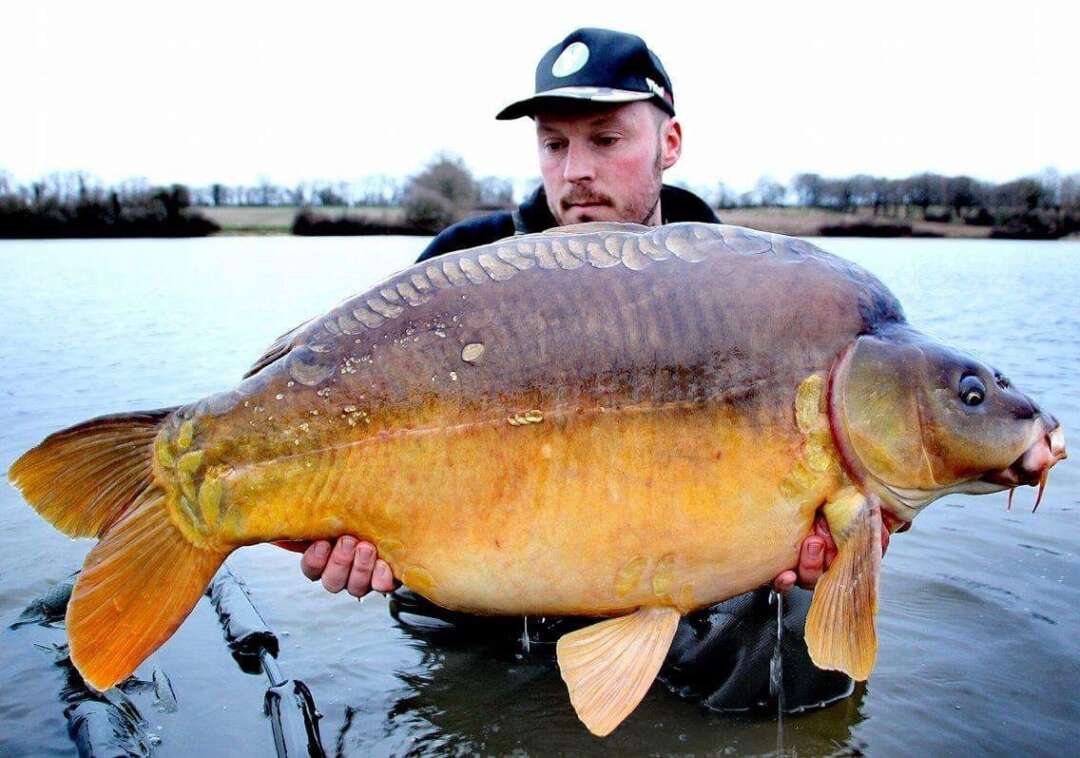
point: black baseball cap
(600, 65)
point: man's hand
(349, 564)
(816, 554)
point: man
(606, 131)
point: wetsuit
(721, 655)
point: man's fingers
(812, 557)
(350, 564)
(362, 567)
(336, 573)
(821, 529)
(784, 581)
(382, 580)
(314, 560)
(818, 551)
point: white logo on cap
(656, 88)
(571, 60)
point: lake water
(980, 607)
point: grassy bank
(815, 222)
(279, 219)
(799, 222)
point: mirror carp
(599, 420)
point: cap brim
(530, 106)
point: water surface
(980, 607)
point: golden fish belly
(576, 512)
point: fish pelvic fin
(143, 577)
(609, 666)
(136, 587)
(84, 478)
(841, 631)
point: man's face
(605, 162)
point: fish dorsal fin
(608, 667)
(841, 629)
(281, 346)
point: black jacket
(533, 216)
(721, 656)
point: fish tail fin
(137, 586)
(144, 576)
(84, 478)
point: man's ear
(671, 143)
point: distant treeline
(444, 192)
(376, 191)
(69, 205)
(74, 205)
(1043, 206)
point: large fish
(600, 420)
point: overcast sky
(229, 91)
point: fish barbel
(601, 420)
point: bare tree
(863, 191)
(440, 194)
(808, 189)
(725, 196)
(837, 194)
(1025, 194)
(1070, 192)
(962, 193)
(1050, 179)
(769, 191)
(495, 192)
(217, 195)
(327, 195)
(301, 194)
(264, 191)
(448, 176)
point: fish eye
(972, 390)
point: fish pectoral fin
(609, 666)
(841, 629)
(136, 587)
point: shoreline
(791, 221)
(816, 222)
(262, 221)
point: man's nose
(579, 164)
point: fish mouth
(1034, 464)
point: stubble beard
(640, 208)
(657, 183)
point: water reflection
(98, 723)
(470, 695)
